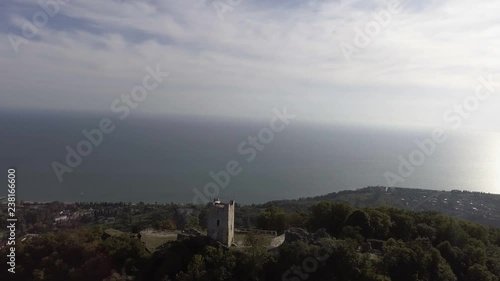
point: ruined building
(221, 222)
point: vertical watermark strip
(11, 219)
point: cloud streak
(262, 55)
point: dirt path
(277, 241)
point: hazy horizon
(162, 159)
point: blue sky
(260, 55)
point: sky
(242, 58)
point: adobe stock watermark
(121, 106)
(250, 149)
(455, 116)
(40, 19)
(223, 6)
(363, 37)
(309, 266)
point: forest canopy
(368, 244)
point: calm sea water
(162, 159)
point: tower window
(218, 222)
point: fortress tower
(221, 222)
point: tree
(400, 261)
(475, 253)
(360, 219)
(203, 218)
(479, 272)
(168, 225)
(426, 231)
(380, 223)
(221, 263)
(453, 256)
(256, 256)
(273, 218)
(196, 270)
(193, 222)
(440, 269)
(339, 214)
(296, 219)
(329, 216)
(320, 216)
(403, 226)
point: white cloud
(262, 55)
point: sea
(170, 158)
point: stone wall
(221, 222)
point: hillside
(477, 207)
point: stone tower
(221, 222)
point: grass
(153, 241)
(265, 239)
(114, 232)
